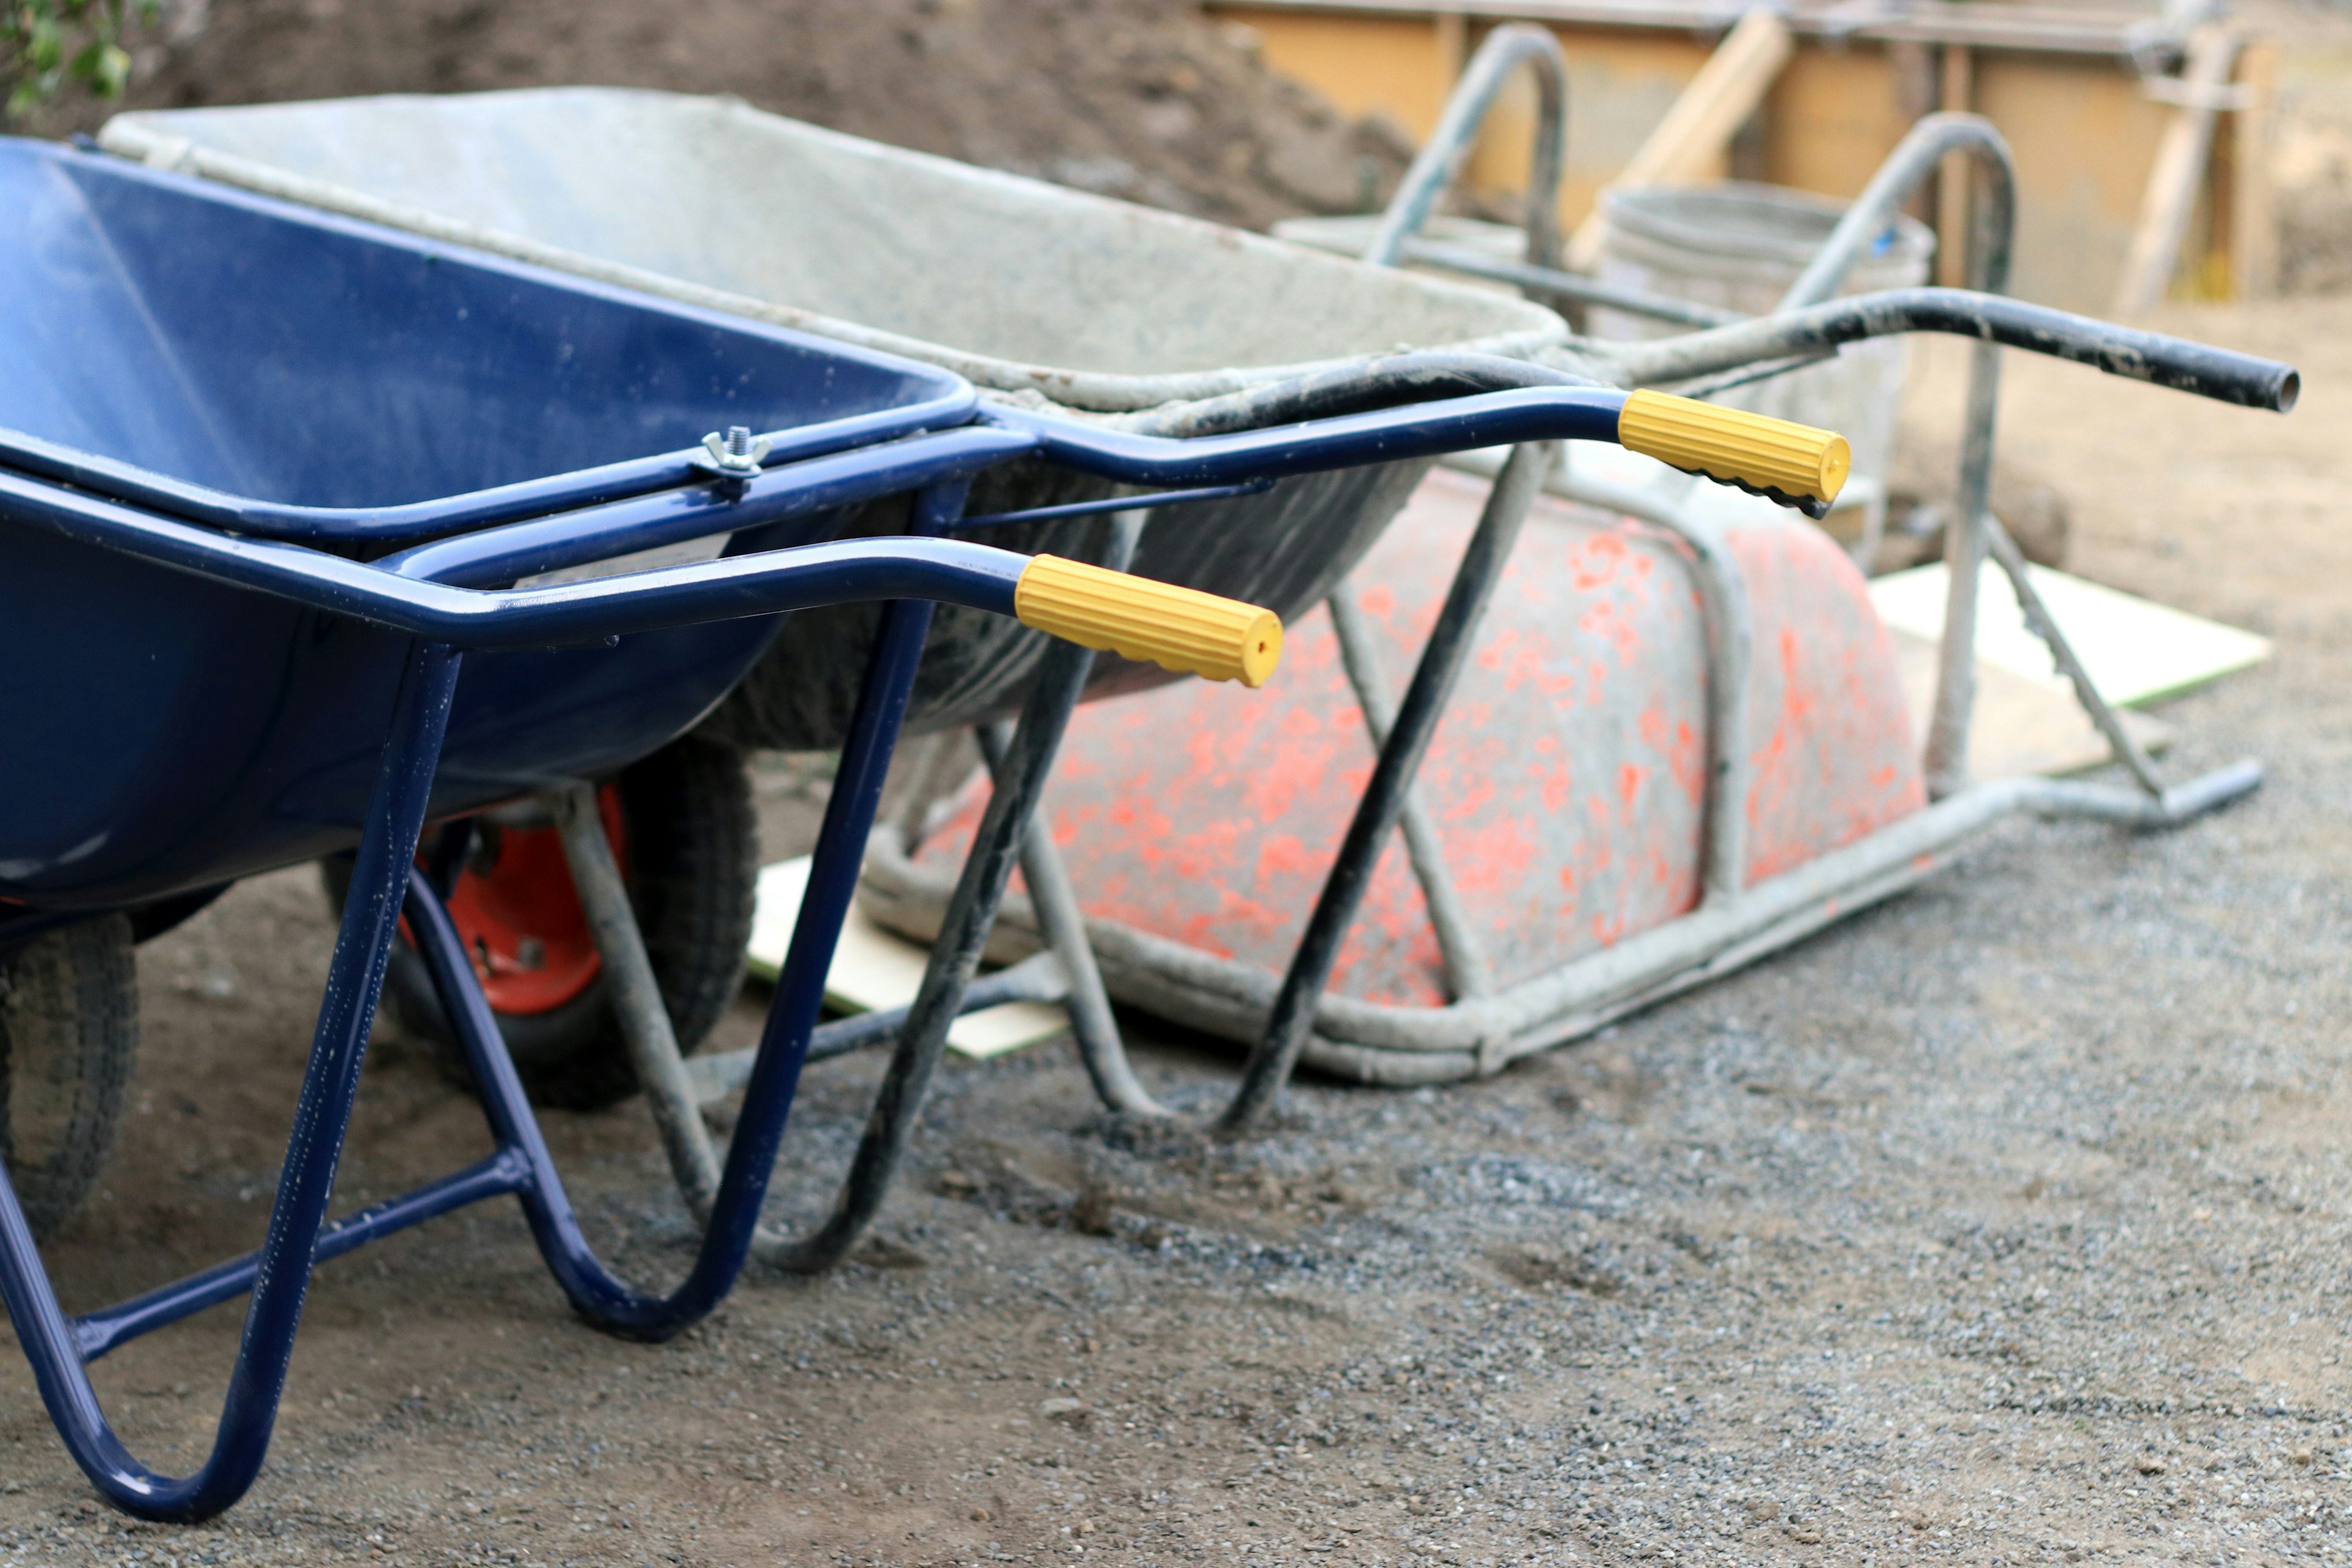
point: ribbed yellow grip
(1175, 628)
(1735, 446)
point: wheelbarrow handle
(1793, 463)
(1176, 628)
(1790, 462)
(2223, 374)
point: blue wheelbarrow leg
(727, 1240)
(279, 1274)
(955, 958)
(346, 1012)
(1020, 780)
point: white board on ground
(2136, 650)
(873, 968)
(2019, 725)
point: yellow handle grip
(1175, 628)
(1735, 447)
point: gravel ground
(2003, 1224)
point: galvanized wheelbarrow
(215, 544)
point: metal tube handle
(1791, 463)
(1176, 628)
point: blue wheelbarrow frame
(413, 617)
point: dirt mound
(1140, 99)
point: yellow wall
(1831, 120)
(2083, 135)
(2083, 138)
(1391, 65)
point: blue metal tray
(271, 369)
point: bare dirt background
(1139, 98)
(2003, 1223)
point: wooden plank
(2020, 727)
(2253, 195)
(1957, 175)
(2178, 172)
(2135, 651)
(874, 970)
(1452, 45)
(1696, 131)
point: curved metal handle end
(1176, 628)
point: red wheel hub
(521, 917)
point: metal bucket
(1739, 247)
(1046, 296)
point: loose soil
(1140, 99)
(2001, 1223)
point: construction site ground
(2006, 1223)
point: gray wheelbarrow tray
(1042, 296)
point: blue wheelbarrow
(269, 478)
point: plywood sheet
(2136, 650)
(2018, 725)
(1832, 120)
(874, 969)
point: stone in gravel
(881, 1252)
(1072, 1411)
(1090, 1213)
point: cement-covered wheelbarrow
(266, 479)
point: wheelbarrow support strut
(279, 1275)
(387, 885)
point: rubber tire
(692, 847)
(68, 1040)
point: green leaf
(46, 46)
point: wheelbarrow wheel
(683, 830)
(69, 1037)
